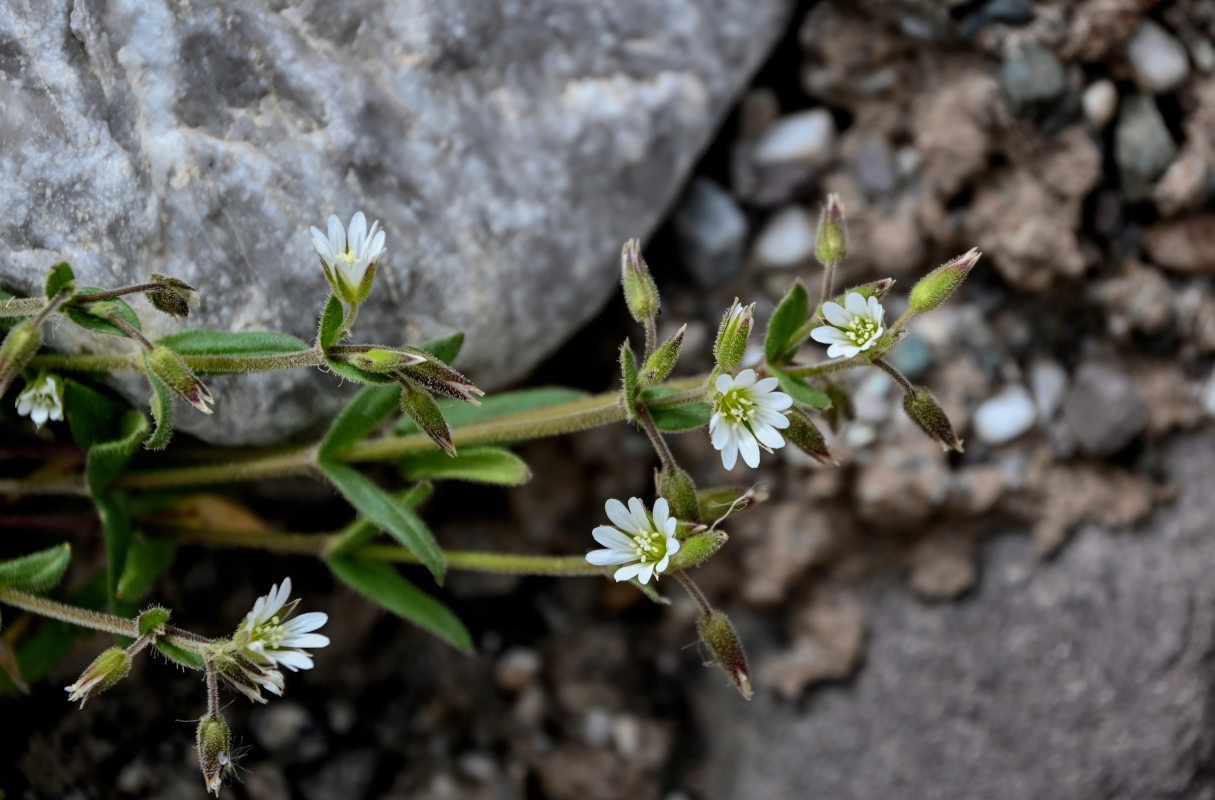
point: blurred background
(1033, 618)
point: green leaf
(331, 323)
(187, 658)
(786, 319)
(628, 374)
(59, 278)
(148, 557)
(476, 464)
(802, 393)
(36, 572)
(360, 417)
(162, 412)
(679, 418)
(353, 373)
(255, 344)
(91, 415)
(459, 413)
(382, 584)
(381, 508)
(362, 530)
(93, 316)
(106, 459)
(445, 348)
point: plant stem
(828, 284)
(63, 612)
(894, 372)
(898, 325)
(660, 445)
(690, 585)
(202, 365)
(92, 297)
(21, 306)
(72, 485)
(297, 461)
(826, 367)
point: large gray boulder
(508, 149)
(1089, 676)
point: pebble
(1159, 61)
(712, 233)
(516, 668)
(1048, 380)
(1100, 102)
(280, 725)
(876, 165)
(806, 136)
(1006, 416)
(597, 727)
(913, 357)
(787, 240)
(1104, 409)
(1033, 77)
(1185, 244)
(1143, 146)
(1208, 396)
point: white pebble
(787, 240)
(1160, 61)
(1100, 101)
(807, 136)
(1006, 416)
(1048, 380)
(1208, 397)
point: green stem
(655, 436)
(692, 589)
(903, 320)
(83, 617)
(71, 485)
(828, 284)
(21, 306)
(826, 367)
(894, 372)
(297, 461)
(203, 365)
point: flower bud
(698, 548)
(382, 360)
(640, 291)
(677, 487)
(926, 412)
(438, 378)
(718, 635)
(831, 243)
(166, 364)
(732, 336)
(936, 287)
(106, 670)
(19, 347)
(803, 433)
(214, 751)
(660, 363)
(171, 296)
(422, 409)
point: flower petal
(724, 383)
(617, 513)
(729, 453)
(828, 335)
(856, 305)
(835, 314)
(744, 379)
(748, 448)
(604, 558)
(612, 539)
(627, 572)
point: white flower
(42, 399)
(854, 327)
(643, 543)
(747, 415)
(347, 254)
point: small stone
(1208, 396)
(279, 726)
(913, 357)
(1104, 409)
(1186, 244)
(712, 233)
(265, 781)
(1100, 101)
(876, 165)
(1033, 77)
(1006, 416)
(807, 136)
(1159, 61)
(597, 727)
(626, 735)
(1048, 381)
(1143, 146)
(479, 766)
(787, 240)
(516, 669)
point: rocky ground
(1032, 618)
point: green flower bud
(660, 363)
(153, 620)
(422, 409)
(166, 364)
(171, 296)
(831, 243)
(718, 635)
(697, 549)
(677, 487)
(640, 291)
(926, 412)
(936, 287)
(19, 347)
(214, 751)
(382, 360)
(732, 336)
(808, 438)
(106, 670)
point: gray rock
(1089, 677)
(1100, 101)
(805, 137)
(1005, 416)
(1103, 409)
(1048, 380)
(1143, 146)
(787, 240)
(876, 165)
(913, 356)
(712, 233)
(509, 150)
(1159, 61)
(1033, 77)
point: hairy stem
(83, 617)
(21, 306)
(692, 589)
(827, 367)
(894, 372)
(660, 445)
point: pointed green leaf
(786, 319)
(475, 464)
(91, 415)
(36, 572)
(59, 278)
(445, 348)
(331, 323)
(103, 464)
(162, 412)
(381, 508)
(94, 315)
(187, 658)
(148, 557)
(680, 418)
(459, 413)
(363, 530)
(382, 584)
(630, 383)
(106, 459)
(360, 417)
(253, 344)
(802, 393)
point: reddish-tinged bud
(718, 635)
(803, 433)
(936, 287)
(926, 412)
(831, 244)
(166, 364)
(640, 291)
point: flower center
(860, 330)
(650, 546)
(737, 406)
(348, 256)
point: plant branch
(82, 617)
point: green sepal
(187, 658)
(152, 619)
(330, 330)
(697, 549)
(630, 383)
(422, 409)
(352, 373)
(677, 486)
(36, 572)
(660, 363)
(162, 404)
